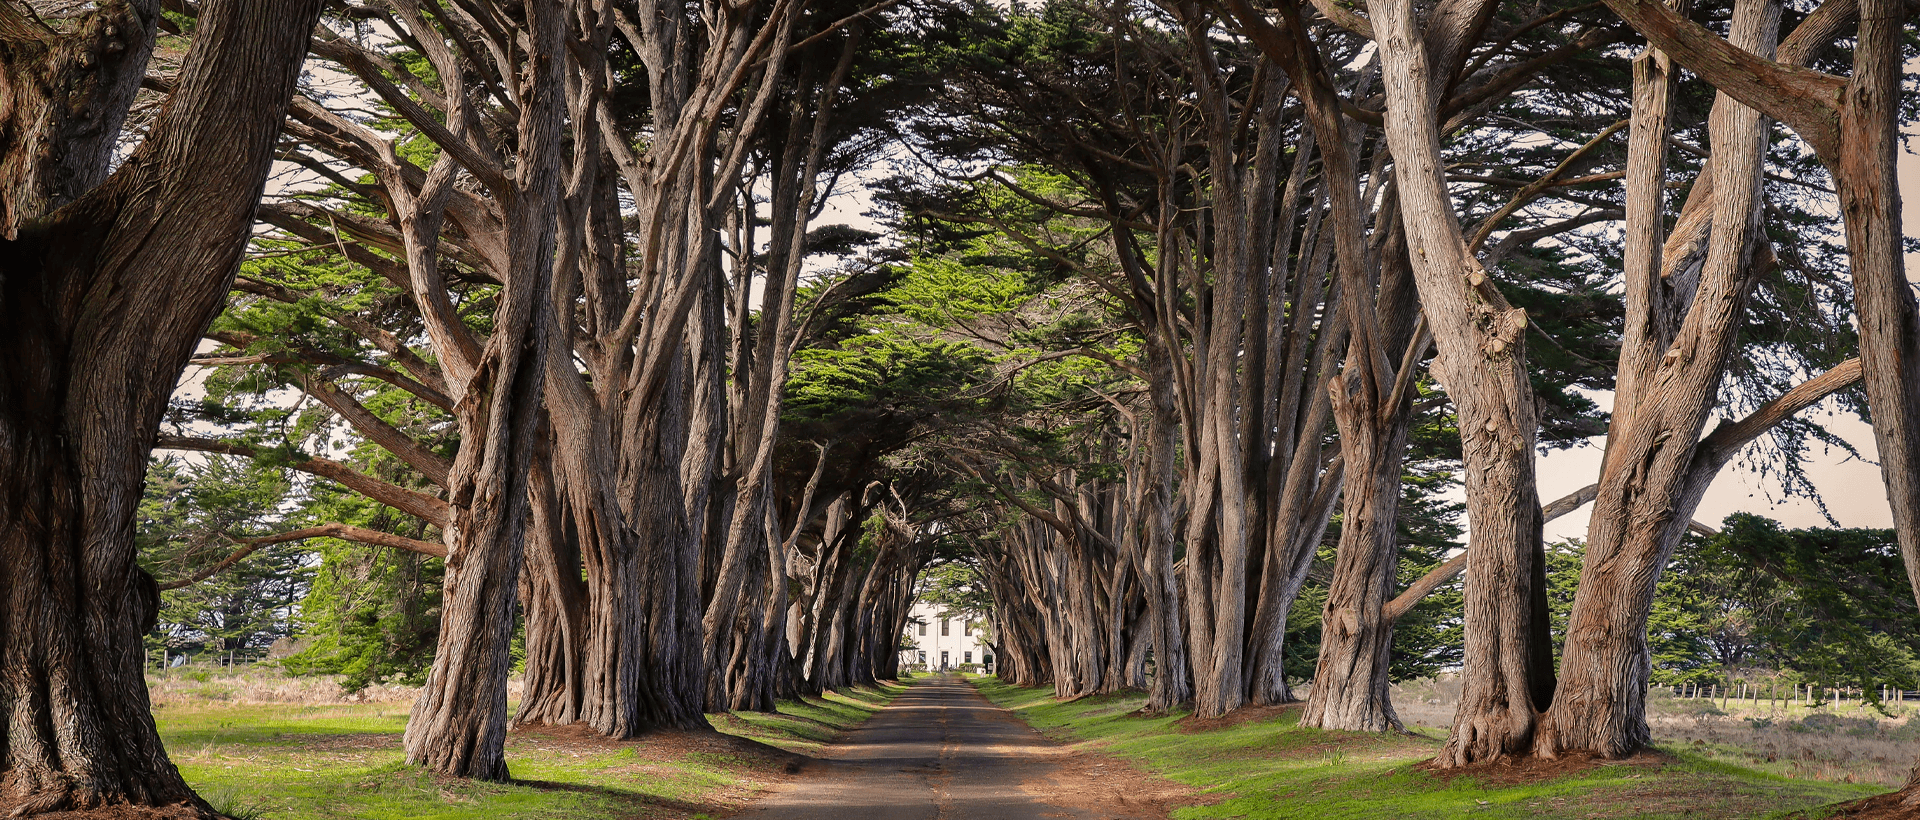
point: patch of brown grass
(266, 683)
(1839, 743)
(1110, 788)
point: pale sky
(1851, 487)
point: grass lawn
(1270, 768)
(290, 761)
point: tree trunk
(553, 603)
(63, 99)
(1642, 508)
(458, 724)
(1356, 637)
(1172, 684)
(101, 304)
(1507, 675)
(1865, 175)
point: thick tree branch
(482, 167)
(345, 532)
(390, 438)
(1808, 101)
(419, 505)
(1727, 439)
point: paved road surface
(938, 752)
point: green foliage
(959, 589)
(190, 518)
(874, 377)
(1825, 606)
(1833, 604)
(372, 616)
(373, 612)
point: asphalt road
(938, 752)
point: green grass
(294, 762)
(1272, 769)
(807, 725)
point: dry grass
(1836, 743)
(266, 683)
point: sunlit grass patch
(809, 724)
(1270, 768)
(322, 761)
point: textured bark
(1865, 174)
(63, 99)
(832, 568)
(751, 537)
(875, 616)
(1301, 486)
(553, 607)
(458, 724)
(1171, 684)
(1350, 679)
(1372, 408)
(1507, 675)
(1356, 645)
(1851, 125)
(101, 303)
(1642, 509)
(1223, 525)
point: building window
(966, 627)
(943, 660)
(943, 627)
(923, 657)
(923, 629)
(966, 657)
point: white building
(937, 639)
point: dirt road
(942, 752)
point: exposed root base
(1516, 771)
(1900, 805)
